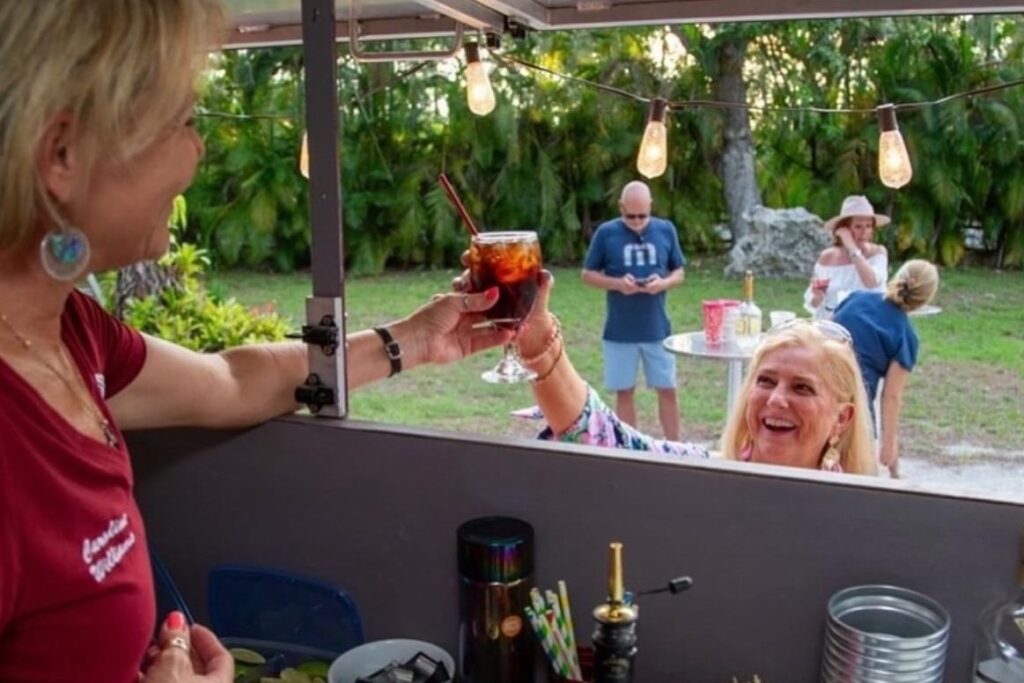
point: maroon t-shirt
(76, 591)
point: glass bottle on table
(999, 640)
(748, 327)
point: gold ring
(180, 643)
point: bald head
(635, 205)
(635, 191)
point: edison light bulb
(652, 159)
(894, 167)
(479, 93)
(304, 156)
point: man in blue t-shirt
(637, 258)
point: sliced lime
(246, 656)
(314, 667)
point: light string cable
(680, 105)
(509, 59)
(894, 164)
(205, 113)
(677, 105)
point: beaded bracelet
(556, 334)
(551, 368)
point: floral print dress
(598, 425)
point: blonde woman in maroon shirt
(96, 140)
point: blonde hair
(913, 285)
(842, 377)
(121, 68)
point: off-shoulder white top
(843, 280)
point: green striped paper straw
(570, 629)
(563, 649)
(563, 635)
(547, 641)
(538, 600)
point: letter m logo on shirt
(639, 255)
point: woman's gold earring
(830, 461)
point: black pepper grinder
(615, 628)
(495, 577)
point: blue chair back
(269, 605)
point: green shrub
(186, 313)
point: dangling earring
(830, 461)
(747, 452)
(64, 252)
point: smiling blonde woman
(803, 403)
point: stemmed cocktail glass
(511, 262)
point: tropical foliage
(186, 314)
(554, 153)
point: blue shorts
(620, 365)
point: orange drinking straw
(463, 214)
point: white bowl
(372, 657)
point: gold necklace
(109, 435)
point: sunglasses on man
(636, 216)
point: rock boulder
(780, 243)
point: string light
(479, 93)
(894, 167)
(652, 159)
(304, 156)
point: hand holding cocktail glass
(450, 328)
(511, 262)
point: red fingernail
(491, 294)
(175, 621)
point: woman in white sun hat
(853, 263)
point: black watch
(392, 348)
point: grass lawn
(967, 388)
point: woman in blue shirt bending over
(886, 344)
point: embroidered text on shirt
(91, 548)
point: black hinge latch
(324, 335)
(315, 394)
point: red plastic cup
(714, 317)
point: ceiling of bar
(261, 22)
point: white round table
(927, 309)
(730, 353)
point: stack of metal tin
(884, 634)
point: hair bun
(904, 290)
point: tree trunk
(737, 160)
(140, 280)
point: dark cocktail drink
(511, 261)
